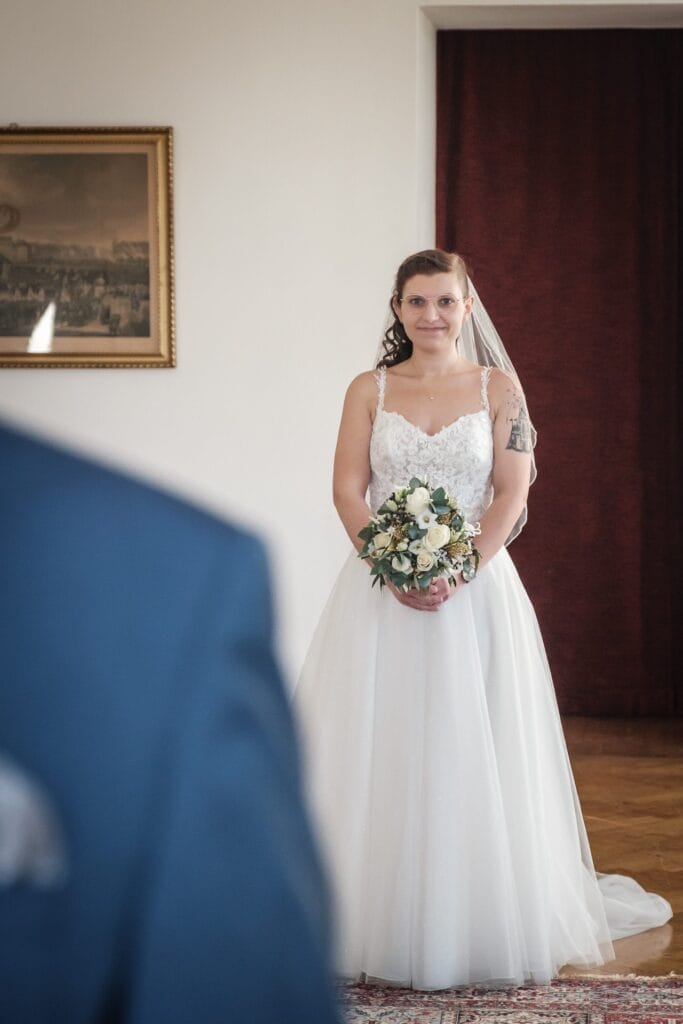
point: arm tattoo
(516, 416)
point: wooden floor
(629, 775)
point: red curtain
(558, 180)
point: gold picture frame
(86, 247)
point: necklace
(432, 398)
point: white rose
(425, 560)
(401, 564)
(381, 541)
(415, 546)
(418, 501)
(438, 536)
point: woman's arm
(351, 474)
(511, 463)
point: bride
(436, 764)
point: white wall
(304, 142)
(295, 196)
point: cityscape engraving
(74, 240)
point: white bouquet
(418, 534)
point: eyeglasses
(419, 302)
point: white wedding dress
(436, 765)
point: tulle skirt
(444, 800)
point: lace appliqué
(381, 379)
(485, 378)
(459, 457)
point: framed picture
(86, 247)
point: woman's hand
(428, 600)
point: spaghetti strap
(381, 378)
(485, 377)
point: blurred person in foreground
(167, 872)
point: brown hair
(397, 345)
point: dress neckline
(381, 378)
(446, 426)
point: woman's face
(432, 310)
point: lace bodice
(459, 457)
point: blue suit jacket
(137, 684)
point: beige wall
(304, 147)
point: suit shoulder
(66, 483)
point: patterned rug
(629, 1000)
